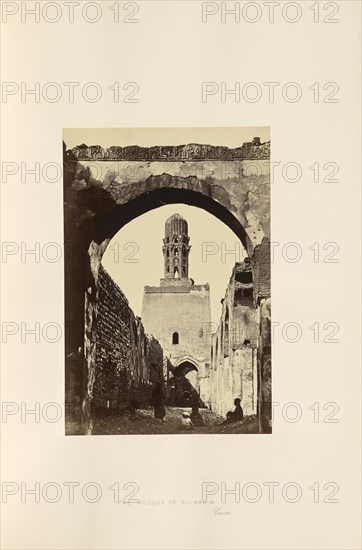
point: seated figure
(236, 415)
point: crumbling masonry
(103, 195)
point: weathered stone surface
(264, 368)
(236, 192)
(122, 361)
(191, 151)
(101, 196)
(127, 361)
(233, 369)
(184, 311)
(178, 312)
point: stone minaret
(177, 313)
(176, 248)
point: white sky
(134, 257)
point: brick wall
(127, 361)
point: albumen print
(167, 281)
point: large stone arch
(96, 209)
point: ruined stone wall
(242, 187)
(127, 361)
(101, 196)
(233, 370)
(190, 151)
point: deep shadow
(112, 222)
(91, 213)
(181, 393)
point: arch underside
(94, 214)
(122, 214)
(184, 367)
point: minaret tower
(176, 248)
(177, 313)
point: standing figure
(195, 416)
(157, 400)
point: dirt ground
(143, 422)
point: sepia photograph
(180, 204)
(167, 281)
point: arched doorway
(184, 391)
(94, 213)
(184, 367)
